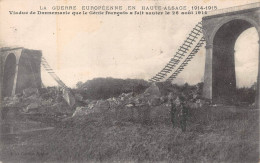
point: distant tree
(246, 94)
(253, 86)
(79, 84)
(103, 88)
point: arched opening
(9, 75)
(223, 67)
(246, 65)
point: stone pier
(20, 69)
(221, 28)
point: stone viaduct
(221, 29)
(20, 68)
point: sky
(80, 48)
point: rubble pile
(131, 106)
(127, 106)
(31, 101)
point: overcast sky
(80, 48)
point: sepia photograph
(129, 81)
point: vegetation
(214, 134)
(104, 88)
(246, 95)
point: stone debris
(46, 101)
(30, 91)
(153, 91)
(127, 105)
(80, 111)
(31, 106)
(11, 101)
(101, 105)
(78, 97)
(138, 106)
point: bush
(104, 88)
(246, 95)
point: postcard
(129, 80)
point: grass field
(214, 134)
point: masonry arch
(9, 75)
(223, 59)
(227, 20)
